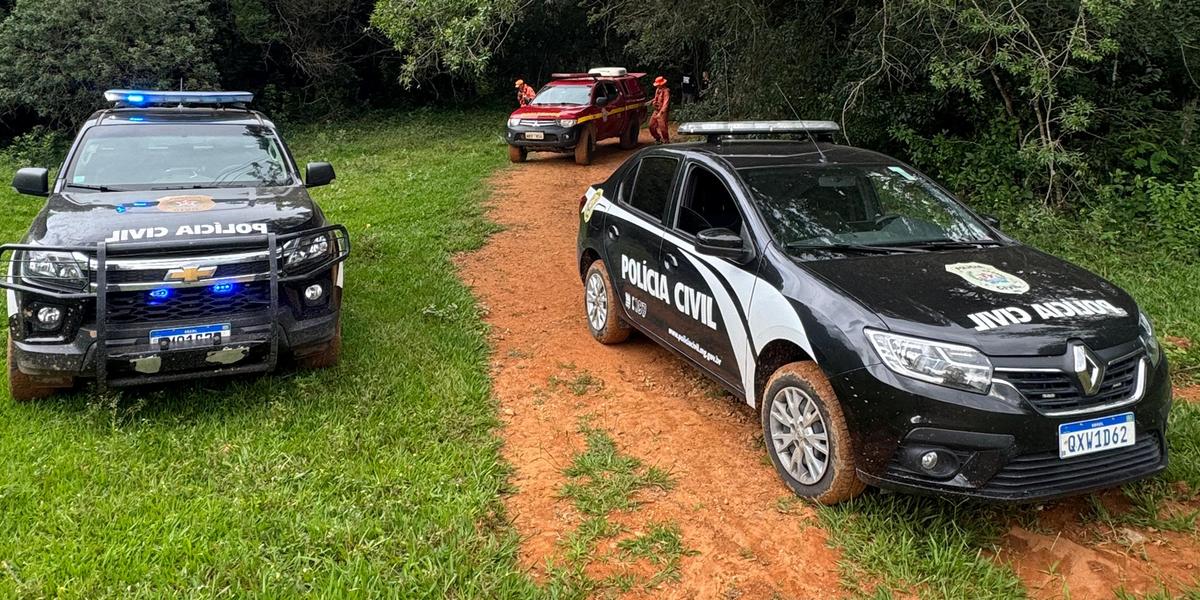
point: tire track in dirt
(657, 408)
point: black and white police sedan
(887, 333)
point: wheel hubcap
(799, 435)
(596, 301)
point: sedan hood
(72, 219)
(1005, 301)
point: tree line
(1076, 105)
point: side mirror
(721, 242)
(33, 181)
(601, 100)
(318, 174)
(991, 220)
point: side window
(652, 188)
(706, 204)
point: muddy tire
(517, 154)
(600, 307)
(25, 388)
(629, 139)
(586, 147)
(327, 357)
(806, 436)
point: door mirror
(991, 220)
(318, 174)
(601, 100)
(721, 242)
(33, 181)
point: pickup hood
(70, 219)
(546, 113)
(1005, 301)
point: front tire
(517, 154)
(26, 388)
(806, 436)
(600, 307)
(586, 147)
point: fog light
(929, 461)
(314, 292)
(49, 317)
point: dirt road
(748, 536)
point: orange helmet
(520, 82)
(660, 81)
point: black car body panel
(1028, 312)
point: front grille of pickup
(187, 303)
(1057, 391)
(1046, 473)
(160, 275)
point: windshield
(564, 94)
(166, 156)
(874, 205)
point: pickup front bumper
(553, 136)
(107, 330)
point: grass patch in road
(380, 477)
(931, 546)
(604, 479)
(662, 545)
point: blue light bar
(147, 97)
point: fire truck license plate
(190, 337)
(534, 135)
(1096, 435)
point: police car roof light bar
(143, 98)
(714, 130)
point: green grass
(603, 479)
(379, 478)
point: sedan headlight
(1146, 332)
(307, 250)
(949, 365)
(57, 270)
(566, 122)
(514, 122)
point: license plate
(190, 337)
(535, 135)
(1095, 435)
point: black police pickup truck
(887, 333)
(177, 242)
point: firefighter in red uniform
(525, 94)
(662, 107)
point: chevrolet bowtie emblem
(1088, 369)
(190, 274)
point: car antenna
(797, 115)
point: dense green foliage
(379, 478)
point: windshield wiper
(860, 248)
(95, 188)
(953, 244)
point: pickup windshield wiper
(860, 248)
(95, 188)
(954, 244)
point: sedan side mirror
(991, 220)
(318, 174)
(33, 181)
(721, 242)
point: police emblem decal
(989, 278)
(185, 204)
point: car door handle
(613, 232)
(670, 262)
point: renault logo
(1088, 369)
(190, 274)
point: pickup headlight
(308, 250)
(1146, 332)
(513, 122)
(58, 270)
(949, 365)
(566, 122)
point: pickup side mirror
(991, 220)
(317, 174)
(601, 100)
(721, 242)
(33, 181)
